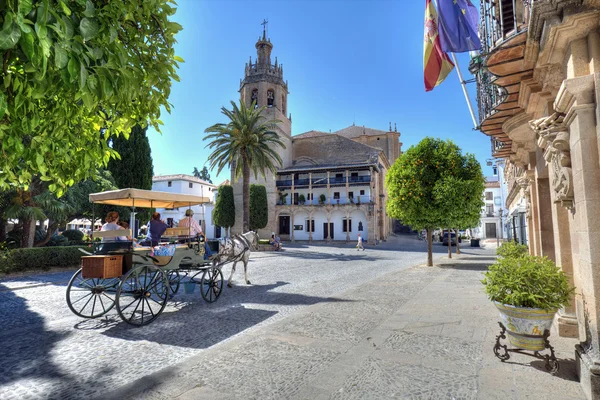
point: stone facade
(348, 167)
(552, 148)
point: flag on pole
(458, 26)
(436, 63)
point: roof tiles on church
(331, 151)
(309, 134)
(355, 131)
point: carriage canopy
(146, 199)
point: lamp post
(498, 234)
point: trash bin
(474, 242)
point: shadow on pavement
(27, 345)
(202, 325)
(464, 267)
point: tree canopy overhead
(75, 74)
(433, 185)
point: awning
(146, 199)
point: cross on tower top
(265, 24)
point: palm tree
(247, 142)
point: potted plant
(282, 197)
(528, 291)
(301, 199)
(322, 199)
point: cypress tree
(224, 213)
(134, 169)
(259, 210)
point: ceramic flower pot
(525, 326)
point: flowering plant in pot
(528, 291)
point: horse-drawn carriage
(139, 281)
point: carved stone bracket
(553, 137)
(524, 183)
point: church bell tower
(263, 83)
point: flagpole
(464, 88)
(462, 82)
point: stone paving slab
(419, 333)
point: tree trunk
(28, 233)
(429, 248)
(449, 243)
(52, 226)
(2, 230)
(457, 242)
(245, 193)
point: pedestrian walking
(359, 245)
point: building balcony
(501, 66)
(356, 200)
(322, 181)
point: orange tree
(418, 187)
(75, 74)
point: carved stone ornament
(553, 136)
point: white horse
(236, 249)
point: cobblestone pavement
(55, 354)
(416, 333)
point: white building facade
(187, 184)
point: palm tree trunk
(28, 233)
(2, 230)
(245, 193)
(429, 248)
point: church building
(330, 186)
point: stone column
(328, 190)
(576, 99)
(347, 188)
(293, 190)
(310, 193)
(329, 226)
(310, 224)
(292, 225)
(347, 226)
(535, 245)
(545, 219)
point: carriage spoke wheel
(142, 295)
(211, 284)
(174, 282)
(91, 297)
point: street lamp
(500, 226)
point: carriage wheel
(142, 295)
(91, 297)
(211, 285)
(174, 282)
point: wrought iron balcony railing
(497, 146)
(489, 96)
(501, 19)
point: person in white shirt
(194, 229)
(112, 224)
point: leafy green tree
(246, 143)
(202, 174)
(133, 168)
(417, 183)
(259, 207)
(224, 213)
(77, 196)
(461, 189)
(75, 75)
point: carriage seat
(113, 245)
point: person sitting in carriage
(156, 227)
(195, 231)
(113, 243)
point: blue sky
(345, 61)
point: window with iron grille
(347, 225)
(310, 225)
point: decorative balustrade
(501, 19)
(323, 181)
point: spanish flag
(436, 63)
